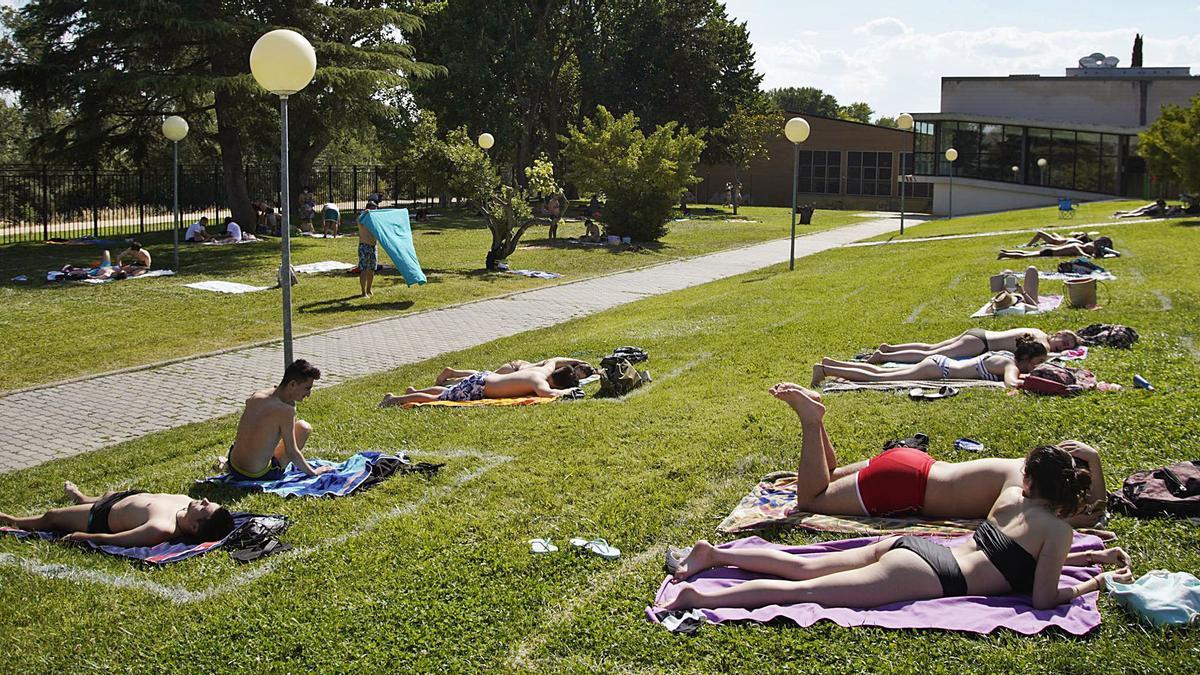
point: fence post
(141, 205)
(217, 194)
(395, 184)
(329, 183)
(45, 203)
(95, 204)
(354, 187)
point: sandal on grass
(675, 558)
(541, 546)
(598, 546)
(919, 393)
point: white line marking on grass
(181, 595)
(955, 281)
(1191, 347)
(1162, 297)
(853, 293)
(916, 312)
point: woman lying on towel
(1021, 547)
(974, 342)
(1100, 247)
(1009, 367)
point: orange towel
(525, 400)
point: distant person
(331, 219)
(130, 518)
(1043, 237)
(234, 233)
(197, 231)
(1100, 247)
(591, 232)
(555, 377)
(450, 376)
(308, 205)
(973, 342)
(1156, 210)
(139, 258)
(269, 435)
(376, 197)
(593, 209)
(266, 219)
(368, 257)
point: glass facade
(820, 171)
(869, 173)
(1073, 160)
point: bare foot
(806, 402)
(877, 357)
(73, 492)
(884, 347)
(388, 400)
(702, 556)
(445, 375)
(687, 598)
(409, 390)
(818, 374)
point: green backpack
(618, 377)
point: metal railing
(39, 203)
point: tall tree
(1136, 60)
(115, 67)
(744, 137)
(856, 112)
(805, 100)
(1171, 146)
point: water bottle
(1140, 381)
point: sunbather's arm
(560, 361)
(549, 392)
(1012, 376)
(1097, 495)
(287, 431)
(1109, 556)
(148, 534)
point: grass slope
(50, 332)
(447, 583)
(1026, 219)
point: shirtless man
(131, 518)
(139, 259)
(450, 376)
(368, 256)
(550, 378)
(906, 481)
(269, 436)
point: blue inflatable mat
(390, 227)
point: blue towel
(1160, 597)
(390, 227)
(161, 554)
(344, 479)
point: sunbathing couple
(997, 364)
(550, 378)
(139, 264)
(1072, 246)
(1029, 506)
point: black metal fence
(38, 203)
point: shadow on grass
(344, 305)
(1188, 223)
(575, 244)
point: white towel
(323, 266)
(226, 287)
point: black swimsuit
(98, 515)
(982, 335)
(1009, 557)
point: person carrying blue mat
(391, 229)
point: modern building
(1027, 140)
(848, 165)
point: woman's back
(1007, 339)
(1013, 536)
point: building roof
(1026, 122)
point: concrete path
(72, 418)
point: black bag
(633, 354)
(1109, 335)
(618, 377)
(916, 442)
(1169, 491)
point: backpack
(1079, 266)
(1051, 379)
(618, 377)
(633, 354)
(1168, 491)
(1109, 335)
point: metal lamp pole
(285, 269)
(951, 155)
(175, 128)
(796, 130)
(904, 122)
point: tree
(116, 68)
(641, 176)
(886, 122)
(856, 112)
(14, 135)
(1136, 60)
(744, 138)
(805, 100)
(1171, 146)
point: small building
(1027, 140)
(843, 165)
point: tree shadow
(348, 304)
(1188, 223)
(611, 249)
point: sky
(893, 54)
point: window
(869, 173)
(820, 171)
(908, 161)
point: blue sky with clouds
(893, 54)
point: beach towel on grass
(968, 614)
(359, 471)
(536, 274)
(323, 266)
(57, 275)
(161, 554)
(1077, 354)
(1098, 275)
(222, 242)
(226, 287)
(483, 402)
(772, 503)
(391, 229)
(835, 385)
(1046, 303)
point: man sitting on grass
(234, 233)
(549, 379)
(907, 481)
(131, 518)
(197, 231)
(269, 436)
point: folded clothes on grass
(360, 471)
(161, 554)
(968, 614)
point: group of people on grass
(138, 258)
(197, 232)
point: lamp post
(283, 63)
(486, 141)
(951, 155)
(1016, 170)
(175, 128)
(1042, 169)
(905, 123)
(796, 130)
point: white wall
(1075, 100)
(982, 196)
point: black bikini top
(1013, 561)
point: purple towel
(970, 614)
(168, 552)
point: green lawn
(1027, 219)
(50, 332)
(436, 576)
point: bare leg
(1030, 289)
(917, 345)
(76, 495)
(814, 491)
(961, 347)
(778, 563)
(370, 274)
(66, 519)
(1010, 253)
(861, 372)
(303, 431)
(427, 395)
(450, 374)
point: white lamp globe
(1042, 162)
(175, 128)
(283, 62)
(904, 121)
(796, 130)
(1016, 169)
(486, 141)
(951, 155)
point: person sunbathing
(591, 232)
(907, 481)
(1100, 247)
(974, 342)
(551, 378)
(131, 518)
(106, 269)
(1043, 237)
(1155, 210)
(450, 376)
(269, 435)
(1021, 547)
(1009, 367)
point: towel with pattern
(485, 402)
(1046, 303)
(835, 385)
(346, 477)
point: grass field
(1040, 218)
(417, 575)
(50, 332)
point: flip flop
(598, 546)
(919, 393)
(253, 553)
(541, 546)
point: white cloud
(885, 27)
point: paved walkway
(77, 417)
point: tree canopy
(1171, 146)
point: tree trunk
(735, 193)
(234, 175)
